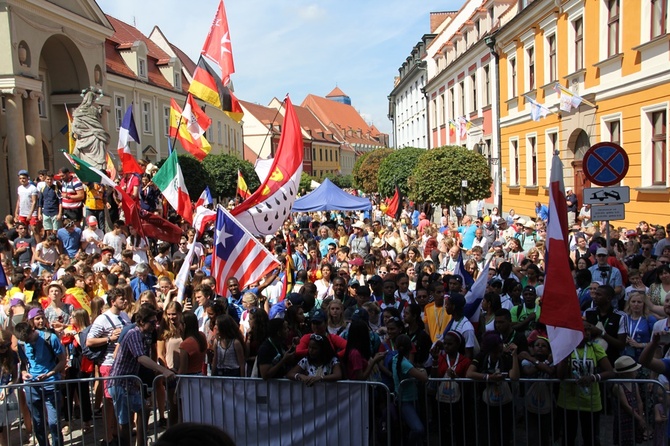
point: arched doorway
(579, 143)
(62, 85)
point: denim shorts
(125, 402)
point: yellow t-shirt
(94, 197)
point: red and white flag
(237, 253)
(560, 305)
(217, 45)
(264, 212)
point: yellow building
(614, 56)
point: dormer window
(142, 67)
(177, 81)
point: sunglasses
(315, 337)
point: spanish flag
(189, 135)
(206, 85)
(242, 189)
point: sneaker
(66, 430)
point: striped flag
(460, 271)
(127, 133)
(170, 181)
(560, 306)
(205, 198)
(242, 189)
(474, 297)
(237, 253)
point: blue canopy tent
(329, 197)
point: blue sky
(299, 46)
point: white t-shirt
(101, 328)
(25, 200)
(139, 256)
(49, 254)
(92, 236)
(118, 242)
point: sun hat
(358, 225)
(625, 364)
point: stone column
(16, 140)
(33, 128)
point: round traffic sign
(605, 164)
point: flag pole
(181, 117)
(271, 125)
(565, 90)
(531, 100)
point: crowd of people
(373, 299)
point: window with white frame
(531, 160)
(578, 29)
(530, 66)
(659, 138)
(177, 81)
(512, 77)
(219, 134)
(473, 81)
(613, 16)
(659, 17)
(166, 120)
(119, 109)
(434, 113)
(441, 108)
(487, 85)
(514, 162)
(452, 103)
(551, 53)
(146, 117)
(142, 67)
(461, 104)
(614, 130)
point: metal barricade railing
(282, 412)
(533, 411)
(64, 410)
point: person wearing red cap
(91, 237)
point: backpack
(94, 354)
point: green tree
(306, 182)
(439, 172)
(365, 177)
(222, 169)
(195, 175)
(358, 183)
(396, 169)
(341, 181)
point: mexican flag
(170, 181)
(87, 173)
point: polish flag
(560, 305)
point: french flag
(205, 198)
(127, 133)
(560, 306)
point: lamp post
(490, 42)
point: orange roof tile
(336, 93)
(123, 38)
(344, 117)
(310, 122)
(186, 61)
(266, 115)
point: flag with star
(237, 253)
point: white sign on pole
(607, 195)
(608, 212)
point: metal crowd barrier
(282, 412)
(60, 404)
(532, 412)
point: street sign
(607, 195)
(608, 212)
(605, 164)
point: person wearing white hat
(607, 274)
(527, 236)
(359, 241)
(629, 417)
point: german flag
(206, 85)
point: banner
(279, 412)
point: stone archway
(578, 143)
(62, 86)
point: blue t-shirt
(42, 355)
(70, 240)
(468, 233)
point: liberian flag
(127, 133)
(170, 181)
(265, 210)
(205, 198)
(237, 253)
(560, 306)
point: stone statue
(91, 137)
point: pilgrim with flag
(242, 189)
(189, 127)
(128, 132)
(394, 205)
(170, 181)
(560, 308)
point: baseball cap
(495, 282)
(497, 243)
(295, 298)
(601, 251)
(32, 314)
(375, 279)
(487, 218)
(318, 316)
(92, 221)
(631, 233)
(353, 283)
(23, 172)
(360, 315)
(457, 300)
(363, 291)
